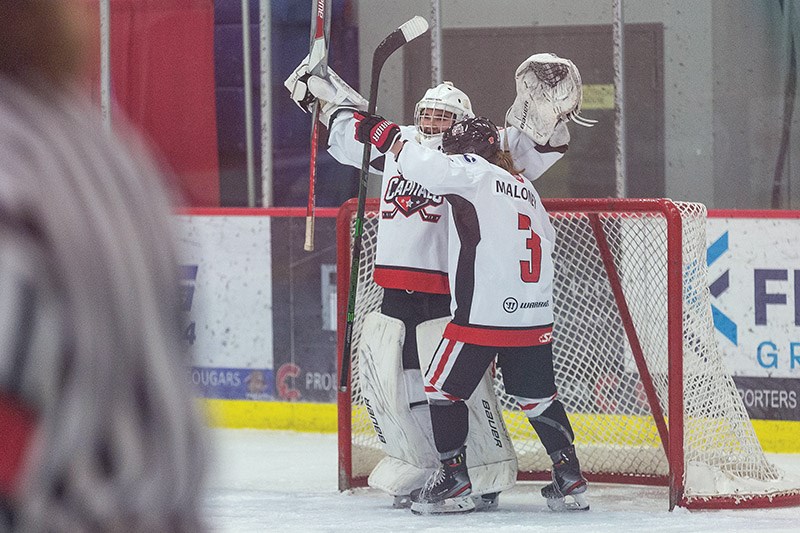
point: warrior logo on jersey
(408, 198)
(510, 305)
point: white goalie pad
(549, 92)
(388, 391)
(405, 433)
(491, 459)
(332, 91)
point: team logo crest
(409, 198)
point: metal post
(619, 98)
(248, 104)
(436, 42)
(105, 62)
(265, 31)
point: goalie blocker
(398, 410)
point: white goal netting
(639, 303)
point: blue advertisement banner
(233, 383)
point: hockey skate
(567, 482)
(483, 502)
(487, 502)
(448, 490)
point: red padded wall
(162, 69)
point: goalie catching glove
(549, 94)
(332, 92)
(376, 130)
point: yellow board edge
(776, 436)
(294, 416)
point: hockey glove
(332, 92)
(300, 93)
(549, 91)
(376, 130)
(560, 136)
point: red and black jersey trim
(411, 279)
(465, 218)
(499, 336)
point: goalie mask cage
(635, 356)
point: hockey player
(411, 266)
(501, 280)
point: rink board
(265, 364)
(776, 436)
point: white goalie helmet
(441, 107)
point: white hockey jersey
(501, 244)
(412, 232)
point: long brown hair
(43, 39)
(503, 159)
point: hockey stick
(402, 35)
(318, 66)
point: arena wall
(260, 315)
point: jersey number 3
(530, 271)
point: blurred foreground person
(98, 430)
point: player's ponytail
(504, 160)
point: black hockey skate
(567, 481)
(448, 490)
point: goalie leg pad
(491, 461)
(389, 393)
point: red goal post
(635, 356)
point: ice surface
(264, 481)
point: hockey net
(631, 303)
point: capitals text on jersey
(399, 186)
(409, 197)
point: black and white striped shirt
(89, 320)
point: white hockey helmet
(444, 98)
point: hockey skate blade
(576, 502)
(483, 503)
(462, 504)
(401, 501)
(486, 502)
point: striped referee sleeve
(30, 339)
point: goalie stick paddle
(318, 66)
(407, 32)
